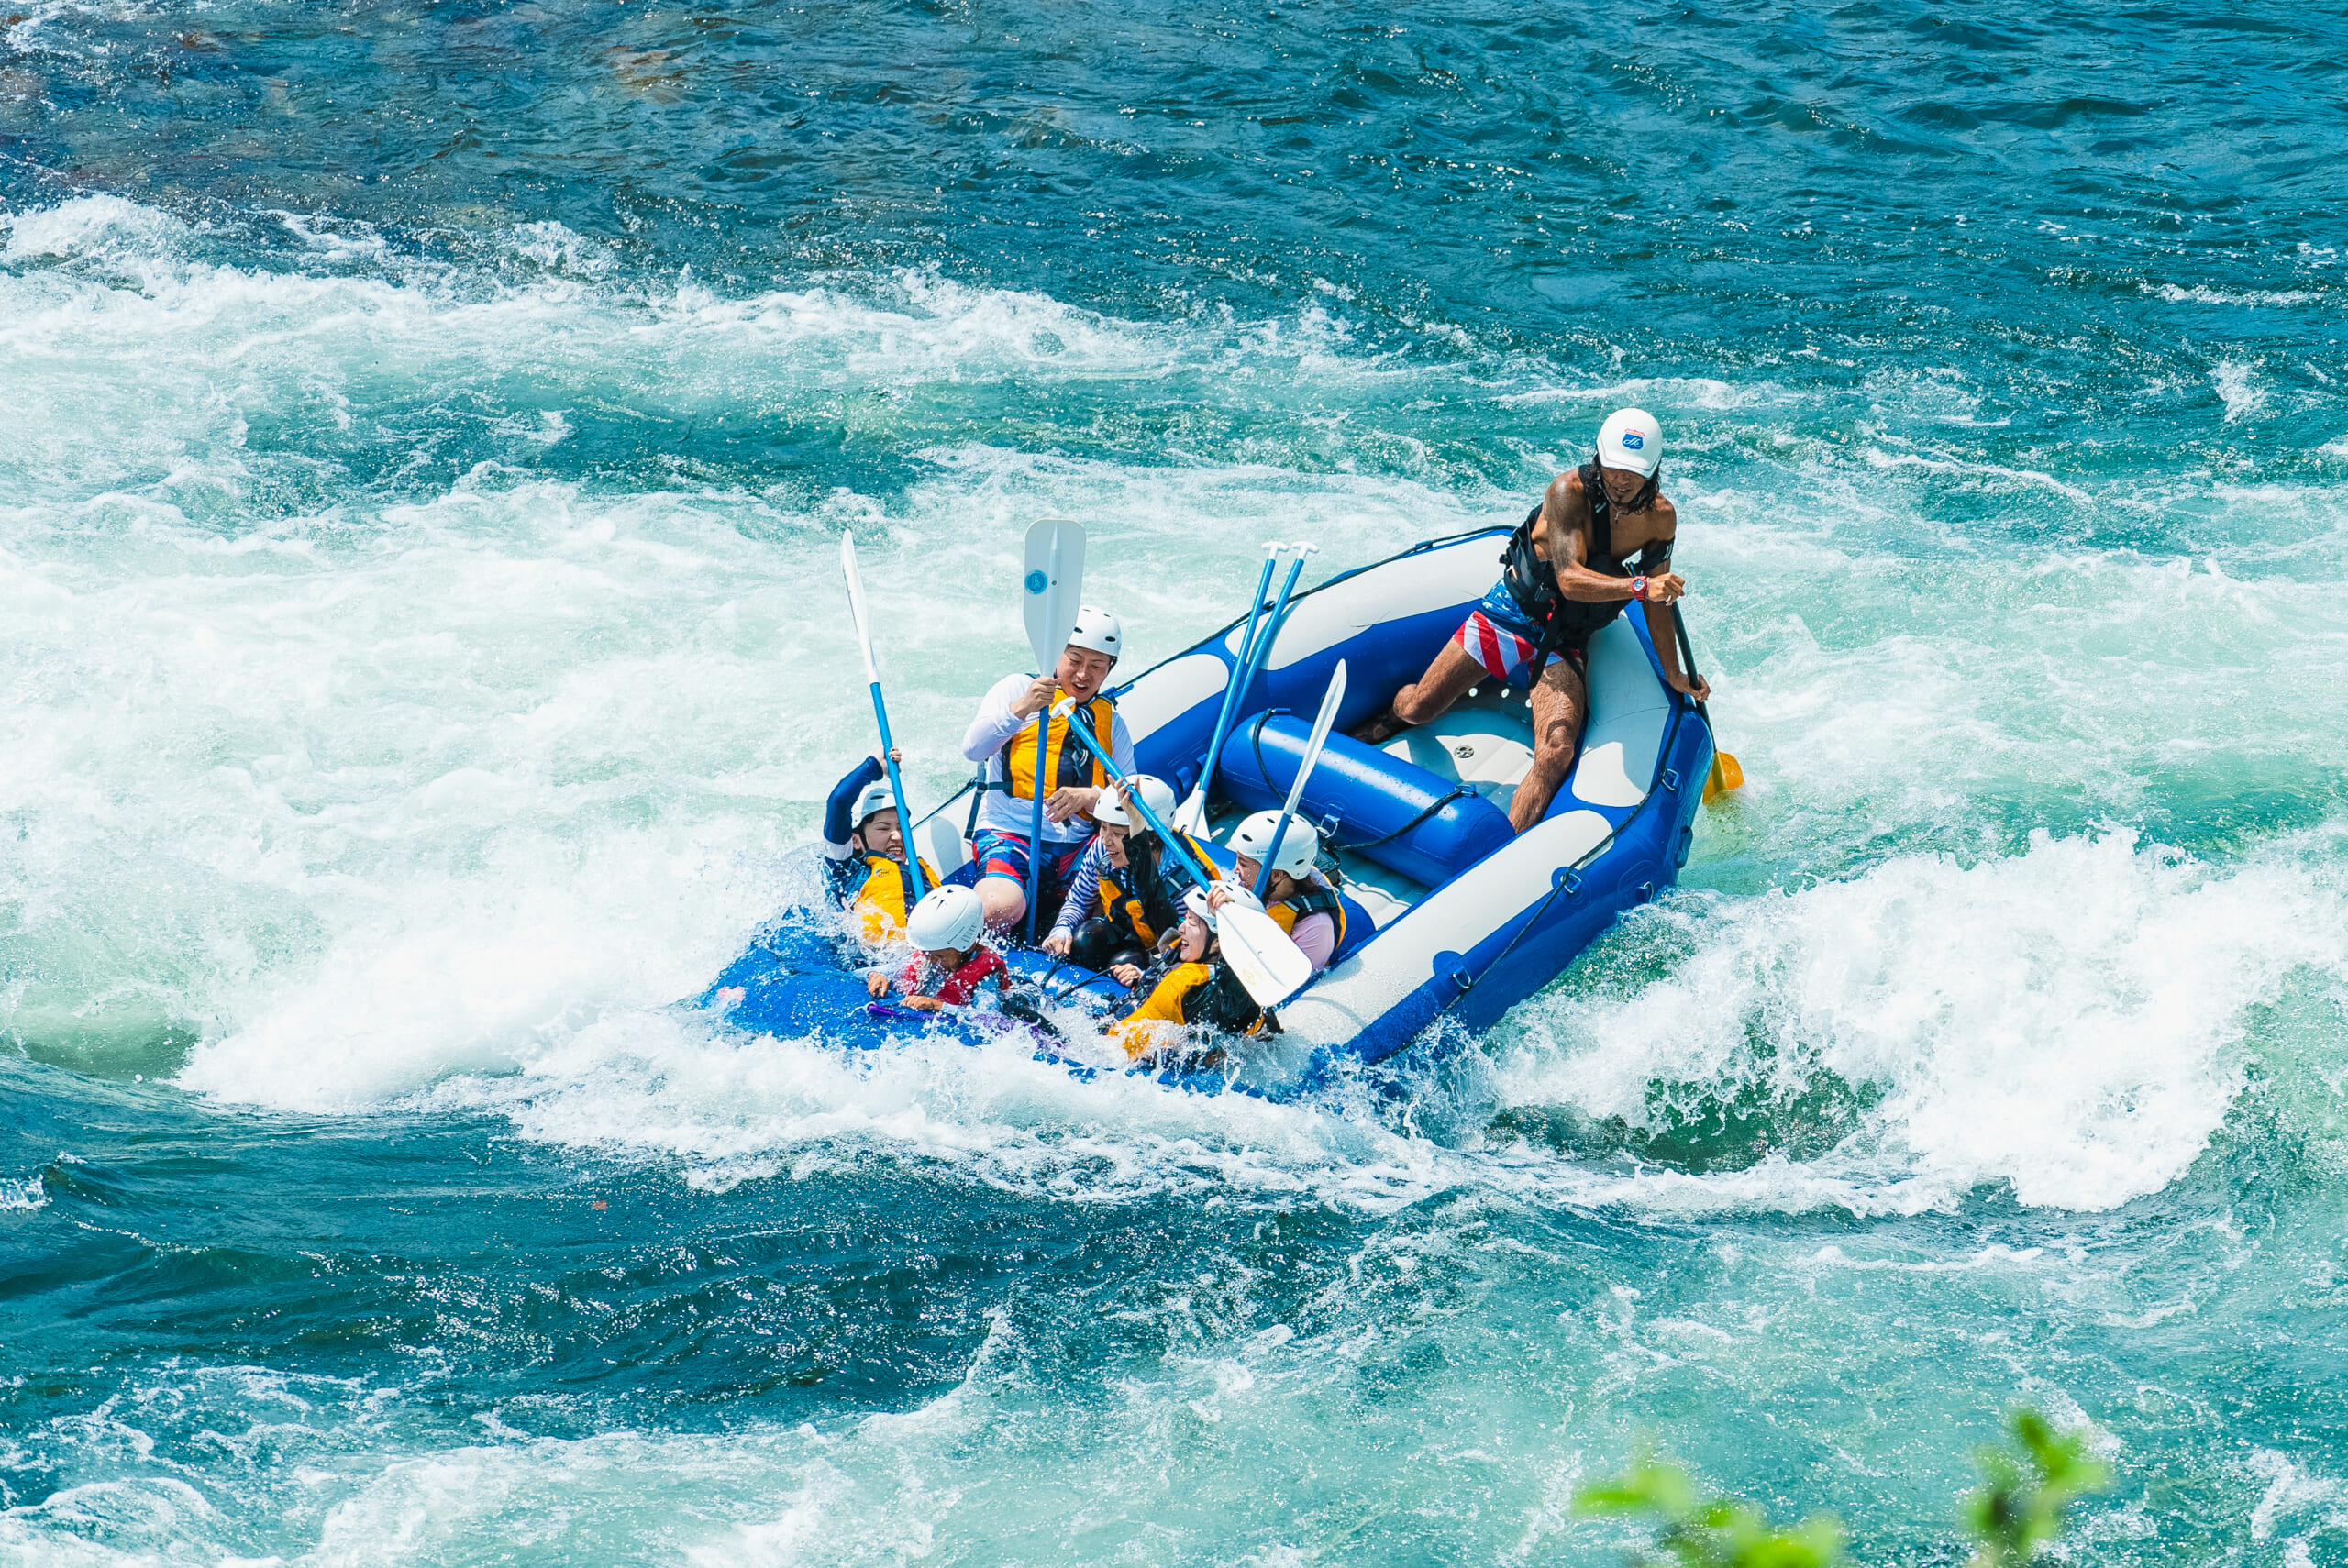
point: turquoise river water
(429, 424)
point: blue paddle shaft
(1165, 836)
(1231, 690)
(1263, 648)
(1035, 820)
(1264, 872)
(897, 792)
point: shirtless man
(1565, 578)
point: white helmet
(1631, 440)
(876, 797)
(947, 918)
(1195, 901)
(1155, 793)
(1096, 630)
(1298, 846)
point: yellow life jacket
(1172, 1007)
(1127, 908)
(1159, 1017)
(1064, 759)
(880, 903)
(1310, 898)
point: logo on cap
(1634, 440)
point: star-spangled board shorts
(1499, 637)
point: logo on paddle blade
(1037, 582)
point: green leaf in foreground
(1713, 1532)
(2021, 1508)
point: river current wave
(430, 436)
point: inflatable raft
(1449, 913)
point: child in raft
(865, 853)
(951, 959)
(1188, 989)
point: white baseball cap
(1631, 440)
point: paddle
(1329, 701)
(1054, 577)
(1191, 816)
(1272, 626)
(879, 707)
(1268, 963)
(1250, 666)
(1727, 772)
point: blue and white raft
(1449, 913)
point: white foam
(2238, 388)
(2201, 293)
(2068, 1022)
(448, 795)
(99, 227)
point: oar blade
(1727, 774)
(1191, 816)
(1322, 724)
(1051, 588)
(1265, 961)
(856, 603)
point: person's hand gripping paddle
(1329, 701)
(879, 707)
(1052, 592)
(1727, 772)
(1271, 966)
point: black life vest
(1146, 898)
(1310, 898)
(1565, 622)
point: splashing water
(417, 508)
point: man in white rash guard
(1070, 778)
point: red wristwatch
(1639, 589)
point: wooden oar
(880, 709)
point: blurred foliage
(1710, 1532)
(2021, 1508)
(2029, 1485)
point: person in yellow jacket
(864, 854)
(1189, 995)
(1126, 892)
(1001, 741)
(1300, 897)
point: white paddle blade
(1321, 727)
(856, 603)
(1191, 816)
(946, 850)
(1266, 963)
(1052, 587)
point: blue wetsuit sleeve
(842, 806)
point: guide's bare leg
(1427, 698)
(1559, 702)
